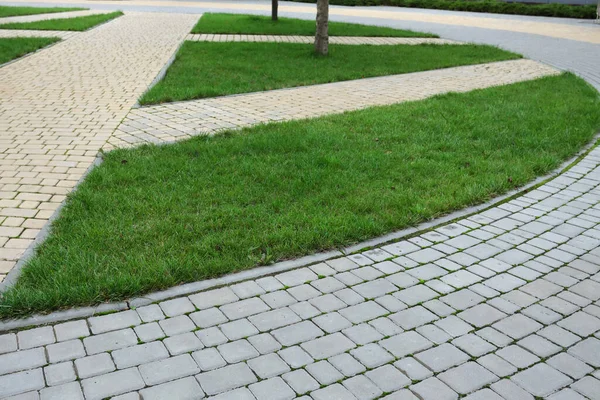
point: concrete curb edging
(189, 288)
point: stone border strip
(353, 40)
(194, 287)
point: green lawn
(11, 48)
(260, 25)
(204, 69)
(64, 24)
(156, 216)
(9, 11)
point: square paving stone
(94, 365)
(184, 389)
(172, 326)
(402, 280)
(328, 346)
(363, 312)
(442, 357)
(415, 295)
(237, 351)
(305, 310)
(327, 303)
(68, 391)
(324, 372)
(493, 336)
(332, 322)
(297, 333)
(274, 319)
(115, 321)
(226, 378)
(497, 365)
(244, 308)
(460, 279)
(481, 315)
(413, 369)
(211, 336)
(434, 389)
(433, 333)
(303, 292)
(297, 277)
(510, 390)
(462, 299)
(71, 330)
(295, 357)
(208, 359)
(376, 288)
(517, 356)
(264, 343)
(362, 387)
(587, 350)
(405, 343)
(238, 329)
(333, 392)
(539, 346)
(347, 364)
(268, 366)
(300, 381)
(183, 343)
(589, 387)
(504, 282)
(517, 326)
(581, 323)
(328, 285)
(454, 326)
(541, 314)
(372, 355)
(149, 332)
(570, 365)
(541, 288)
(362, 334)
(388, 378)
(473, 345)
(468, 377)
(57, 374)
(277, 299)
(115, 383)
(247, 289)
(36, 337)
(427, 272)
(541, 380)
(413, 317)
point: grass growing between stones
(204, 69)
(156, 216)
(11, 48)
(261, 25)
(9, 11)
(64, 24)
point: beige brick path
(311, 39)
(9, 33)
(176, 121)
(43, 17)
(59, 106)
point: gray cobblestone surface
(506, 324)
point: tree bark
(322, 35)
(598, 12)
(274, 7)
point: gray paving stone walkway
(503, 304)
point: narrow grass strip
(203, 69)
(10, 11)
(12, 48)
(261, 25)
(156, 216)
(64, 24)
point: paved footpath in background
(44, 17)
(310, 39)
(504, 304)
(182, 120)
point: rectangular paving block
(114, 321)
(226, 378)
(64, 351)
(328, 346)
(213, 298)
(274, 319)
(139, 354)
(35, 337)
(22, 360)
(109, 341)
(406, 343)
(169, 369)
(71, 330)
(21, 382)
(112, 384)
(94, 365)
(182, 389)
(244, 308)
(297, 333)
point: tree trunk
(598, 11)
(322, 35)
(274, 6)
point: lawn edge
(32, 52)
(264, 271)
(72, 31)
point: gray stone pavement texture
(512, 312)
(182, 120)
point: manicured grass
(64, 24)
(11, 48)
(204, 69)
(9, 11)
(261, 25)
(156, 216)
